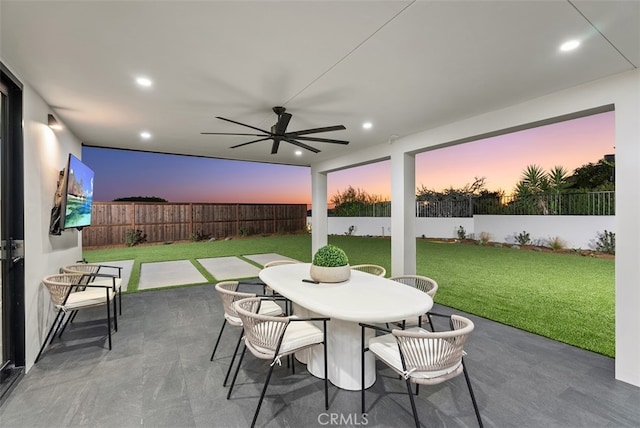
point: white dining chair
(271, 338)
(228, 293)
(370, 268)
(421, 356)
(101, 274)
(422, 283)
(71, 292)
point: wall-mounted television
(78, 197)
(74, 197)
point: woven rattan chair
(372, 269)
(227, 290)
(423, 357)
(279, 262)
(422, 283)
(267, 289)
(271, 338)
(71, 292)
(100, 275)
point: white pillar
(319, 220)
(403, 200)
(627, 111)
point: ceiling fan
(279, 133)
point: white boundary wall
(575, 231)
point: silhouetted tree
(593, 176)
(353, 202)
(140, 199)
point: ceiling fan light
(367, 125)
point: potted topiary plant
(330, 264)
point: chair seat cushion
(267, 307)
(386, 348)
(298, 335)
(88, 297)
(108, 281)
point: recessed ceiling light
(570, 45)
(298, 152)
(144, 82)
(145, 135)
(367, 125)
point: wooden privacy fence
(162, 222)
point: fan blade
(283, 122)
(242, 124)
(227, 133)
(302, 145)
(249, 142)
(321, 140)
(275, 145)
(315, 130)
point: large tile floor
(159, 375)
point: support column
(627, 240)
(319, 219)
(403, 217)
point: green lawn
(568, 298)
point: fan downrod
(279, 110)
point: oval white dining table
(363, 298)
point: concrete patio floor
(159, 375)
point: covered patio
(426, 74)
(159, 374)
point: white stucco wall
(45, 154)
(446, 228)
(575, 231)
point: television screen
(78, 197)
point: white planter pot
(330, 274)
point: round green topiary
(330, 256)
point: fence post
(190, 226)
(133, 216)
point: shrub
(484, 238)
(556, 243)
(462, 234)
(523, 238)
(134, 237)
(330, 256)
(606, 242)
(200, 236)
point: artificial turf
(565, 297)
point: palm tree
(535, 184)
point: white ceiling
(405, 66)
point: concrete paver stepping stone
(229, 268)
(267, 257)
(165, 274)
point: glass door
(12, 320)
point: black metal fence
(586, 203)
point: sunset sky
(500, 160)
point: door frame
(12, 224)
